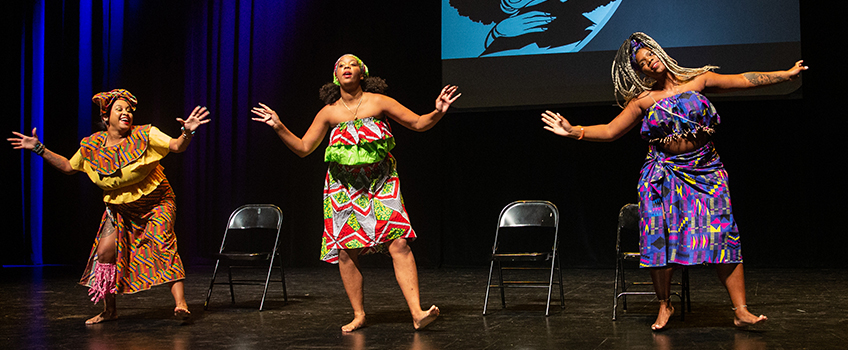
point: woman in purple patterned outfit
(685, 212)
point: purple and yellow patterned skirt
(685, 213)
(146, 244)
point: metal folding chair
(627, 235)
(252, 237)
(513, 223)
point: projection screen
(519, 53)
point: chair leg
(686, 289)
(561, 293)
(283, 279)
(615, 288)
(267, 281)
(550, 285)
(501, 285)
(211, 284)
(488, 286)
(230, 280)
(623, 288)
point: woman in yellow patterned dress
(363, 207)
(135, 248)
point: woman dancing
(363, 207)
(685, 212)
(135, 247)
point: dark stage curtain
(230, 55)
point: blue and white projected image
(475, 28)
(508, 53)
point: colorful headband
(635, 46)
(104, 100)
(362, 66)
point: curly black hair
(330, 93)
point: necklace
(356, 110)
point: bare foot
(744, 318)
(666, 310)
(357, 323)
(182, 313)
(426, 318)
(102, 317)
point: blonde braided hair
(629, 83)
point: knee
(343, 256)
(347, 256)
(106, 253)
(399, 246)
(105, 258)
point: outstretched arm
(300, 146)
(412, 121)
(189, 126)
(31, 143)
(626, 120)
(729, 82)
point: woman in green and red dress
(363, 207)
(135, 247)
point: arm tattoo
(759, 79)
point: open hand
(266, 115)
(557, 124)
(195, 119)
(446, 98)
(24, 142)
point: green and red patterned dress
(140, 204)
(363, 207)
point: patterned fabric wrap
(359, 142)
(363, 206)
(679, 116)
(685, 212)
(146, 244)
(125, 171)
(104, 100)
(108, 160)
(635, 46)
(362, 67)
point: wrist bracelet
(38, 149)
(582, 132)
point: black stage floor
(43, 308)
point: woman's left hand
(796, 70)
(446, 97)
(195, 119)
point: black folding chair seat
(252, 237)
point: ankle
(735, 308)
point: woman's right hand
(266, 115)
(24, 142)
(557, 124)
